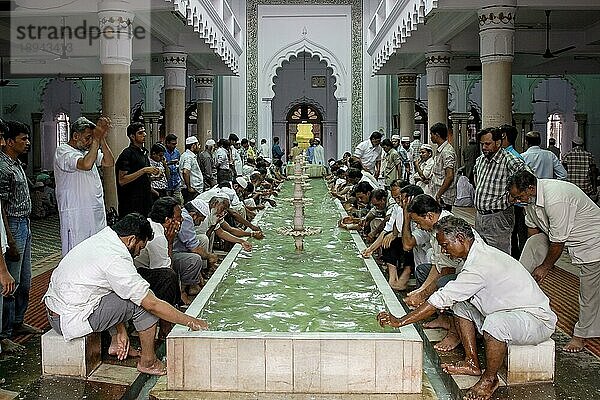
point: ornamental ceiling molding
(356, 54)
(196, 15)
(294, 50)
(305, 100)
(395, 30)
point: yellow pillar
(204, 98)
(174, 62)
(437, 65)
(407, 91)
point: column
(151, 123)
(204, 98)
(36, 144)
(496, 39)
(344, 138)
(174, 62)
(266, 121)
(116, 58)
(407, 93)
(524, 124)
(581, 119)
(437, 65)
(459, 128)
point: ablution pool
(296, 322)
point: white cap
(395, 137)
(201, 206)
(427, 146)
(578, 140)
(252, 141)
(242, 182)
(191, 140)
(210, 142)
(405, 139)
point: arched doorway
(303, 113)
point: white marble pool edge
(295, 362)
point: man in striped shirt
(495, 217)
(580, 166)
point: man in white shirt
(319, 153)
(79, 191)
(222, 161)
(493, 295)
(542, 162)
(96, 287)
(559, 214)
(156, 263)
(369, 153)
(193, 181)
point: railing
(215, 23)
(391, 25)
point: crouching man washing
(494, 295)
(96, 287)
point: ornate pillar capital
(204, 87)
(437, 64)
(497, 32)
(175, 65)
(581, 118)
(408, 78)
(113, 16)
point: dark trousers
(519, 233)
(188, 196)
(164, 282)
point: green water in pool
(325, 288)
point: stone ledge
(76, 358)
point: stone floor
(576, 375)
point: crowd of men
(175, 209)
(485, 278)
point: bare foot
(133, 352)
(448, 343)
(575, 345)
(157, 368)
(482, 390)
(10, 347)
(465, 367)
(443, 322)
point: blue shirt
(310, 153)
(512, 151)
(175, 179)
(186, 239)
(544, 163)
(277, 152)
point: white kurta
(156, 252)
(98, 266)
(493, 281)
(79, 196)
(368, 155)
(319, 155)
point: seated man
(96, 288)
(154, 263)
(493, 295)
(190, 252)
(215, 223)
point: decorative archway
(341, 93)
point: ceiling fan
(4, 82)
(63, 55)
(548, 53)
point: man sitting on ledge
(494, 295)
(96, 287)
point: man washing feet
(494, 295)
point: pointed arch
(340, 73)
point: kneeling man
(494, 295)
(96, 287)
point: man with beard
(96, 287)
(495, 218)
(79, 192)
(492, 295)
